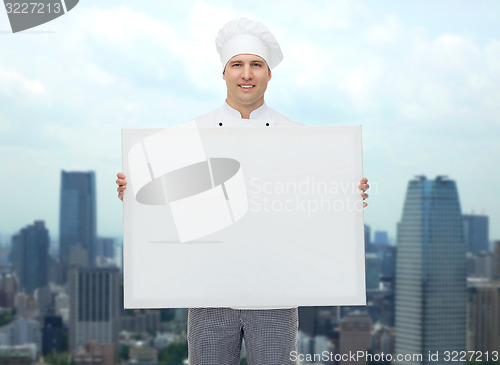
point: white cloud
(4, 124)
(16, 82)
(124, 27)
(325, 14)
(210, 18)
(446, 62)
(364, 82)
(386, 33)
(455, 53)
(98, 76)
(493, 56)
(439, 79)
(156, 47)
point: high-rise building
(476, 233)
(368, 242)
(373, 270)
(24, 331)
(481, 265)
(496, 260)
(94, 305)
(388, 255)
(53, 333)
(62, 306)
(44, 299)
(55, 271)
(484, 264)
(77, 220)
(355, 335)
(141, 321)
(380, 266)
(382, 339)
(30, 256)
(9, 285)
(316, 321)
(430, 271)
(483, 315)
(78, 256)
(106, 247)
(381, 237)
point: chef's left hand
(363, 186)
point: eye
(236, 64)
(256, 64)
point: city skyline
(430, 290)
(423, 87)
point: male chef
(248, 52)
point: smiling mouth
(246, 86)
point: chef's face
(246, 77)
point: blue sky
(420, 76)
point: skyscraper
(317, 321)
(483, 315)
(368, 242)
(373, 270)
(496, 260)
(355, 335)
(52, 334)
(476, 233)
(106, 247)
(430, 271)
(94, 305)
(77, 221)
(381, 237)
(30, 256)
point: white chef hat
(245, 36)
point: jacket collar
(260, 112)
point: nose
(247, 72)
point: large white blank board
(243, 217)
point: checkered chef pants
(215, 335)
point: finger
(120, 196)
(364, 180)
(364, 187)
(121, 182)
(365, 205)
(365, 196)
(120, 175)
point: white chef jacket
(226, 116)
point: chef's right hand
(122, 184)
